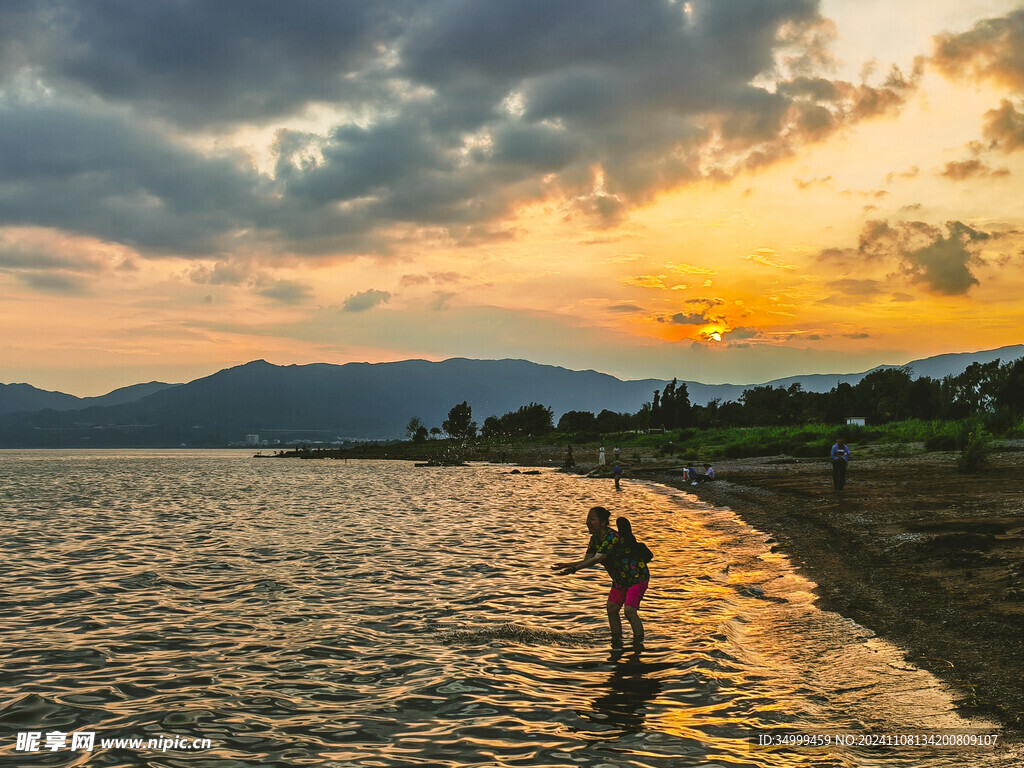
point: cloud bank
(434, 116)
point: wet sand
(927, 558)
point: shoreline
(928, 559)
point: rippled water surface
(326, 613)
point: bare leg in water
(615, 623)
(636, 625)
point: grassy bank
(697, 445)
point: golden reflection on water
(375, 613)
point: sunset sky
(719, 190)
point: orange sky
(847, 197)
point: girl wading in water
(620, 554)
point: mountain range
(355, 401)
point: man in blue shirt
(840, 460)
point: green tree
(671, 407)
(882, 395)
(764, 406)
(577, 421)
(414, 425)
(532, 419)
(642, 418)
(676, 400)
(839, 404)
(924, 399)
(492, 428)
(610, 421)
(975, 390)
(459, 423)
(1011, 391)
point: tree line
(994, 390)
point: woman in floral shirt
(618, 553)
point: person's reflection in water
(629, 690)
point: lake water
(329, 613)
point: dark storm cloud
(18, 257)
(1004, 127)
(199, 63)
(60, 283)
(287, 292)
(967, 169)
(742, 333)
(360, 302)
(944, 265)
(101, 174)
(460, 111)
(555, 89)
(993, 50)
(693, 318)
(48, 271)
(941, 261)
(222, 273)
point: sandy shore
(925, 557)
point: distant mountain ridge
(25, 397)
(356, 400)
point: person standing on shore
(840, 460)
(617, 472)
(630, 575)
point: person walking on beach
(840, 460)
(619, 553)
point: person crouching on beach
(615, 550)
